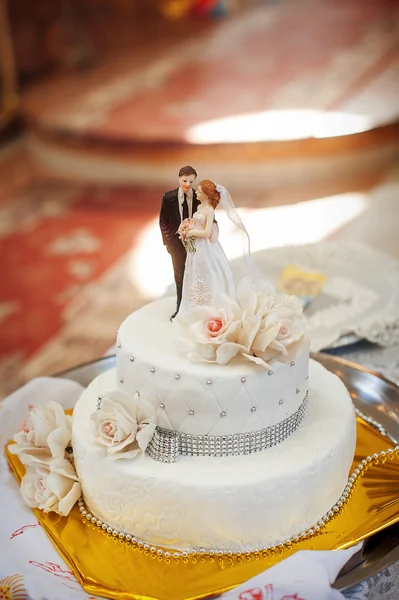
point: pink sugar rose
(259, 326)
(210, 333)
(124, 424)
(275, 322)
(45, 434)
(214, 326)
(51, 486)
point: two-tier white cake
(241, 456)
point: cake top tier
(150, 335)
(258, 330)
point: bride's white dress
(207, 271)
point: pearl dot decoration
(177, 376)
(243, 379)
(119, 345)
(223, 413)
(209, 381)
(162, 405)
(281, 401)
(292, 363)
(270, 372)
(122, 381)
(255, 554)
(191, 412)
(253, 408)
(131, 359)
(152, 370)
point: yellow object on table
(108, 566)
(304, 283)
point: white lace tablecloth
(360, 296)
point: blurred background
(291, 104)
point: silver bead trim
(270, 372)
(131, 359)
(99, 402)
(280, 401)
(315, 529)
(190, 412)
(164, 446)
(376, 425)
(187, 444)
(292, 363)
(297, 390)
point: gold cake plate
(109, 566)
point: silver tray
(374, 396)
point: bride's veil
(249, 266)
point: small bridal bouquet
(188, 242)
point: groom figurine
(177, 205)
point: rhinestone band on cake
(167, 445)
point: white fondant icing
(232, 503)
(177, 386)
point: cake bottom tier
(232, 503)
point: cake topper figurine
(177, 205)
(207, 270)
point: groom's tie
(185, 208)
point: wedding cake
(216, 432)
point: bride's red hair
(210, 191)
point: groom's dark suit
(169, 222)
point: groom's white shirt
(180, 195)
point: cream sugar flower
(210, 333)
(273, 326)
(258, 325)
(51, 486)
(50, 482)
(123, 424)
(45, 434)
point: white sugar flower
(259, 326)
(272, 325)
(211, 333)
(125, 425)
(45, 434)
(51, 486)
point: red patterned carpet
(66, 249)
(58, 243)
(328, 55)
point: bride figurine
(207, 271)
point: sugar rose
(259, 326)
(46, 433)
(211, 333)
(51, 486)
(273, 324)
(124, 424)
